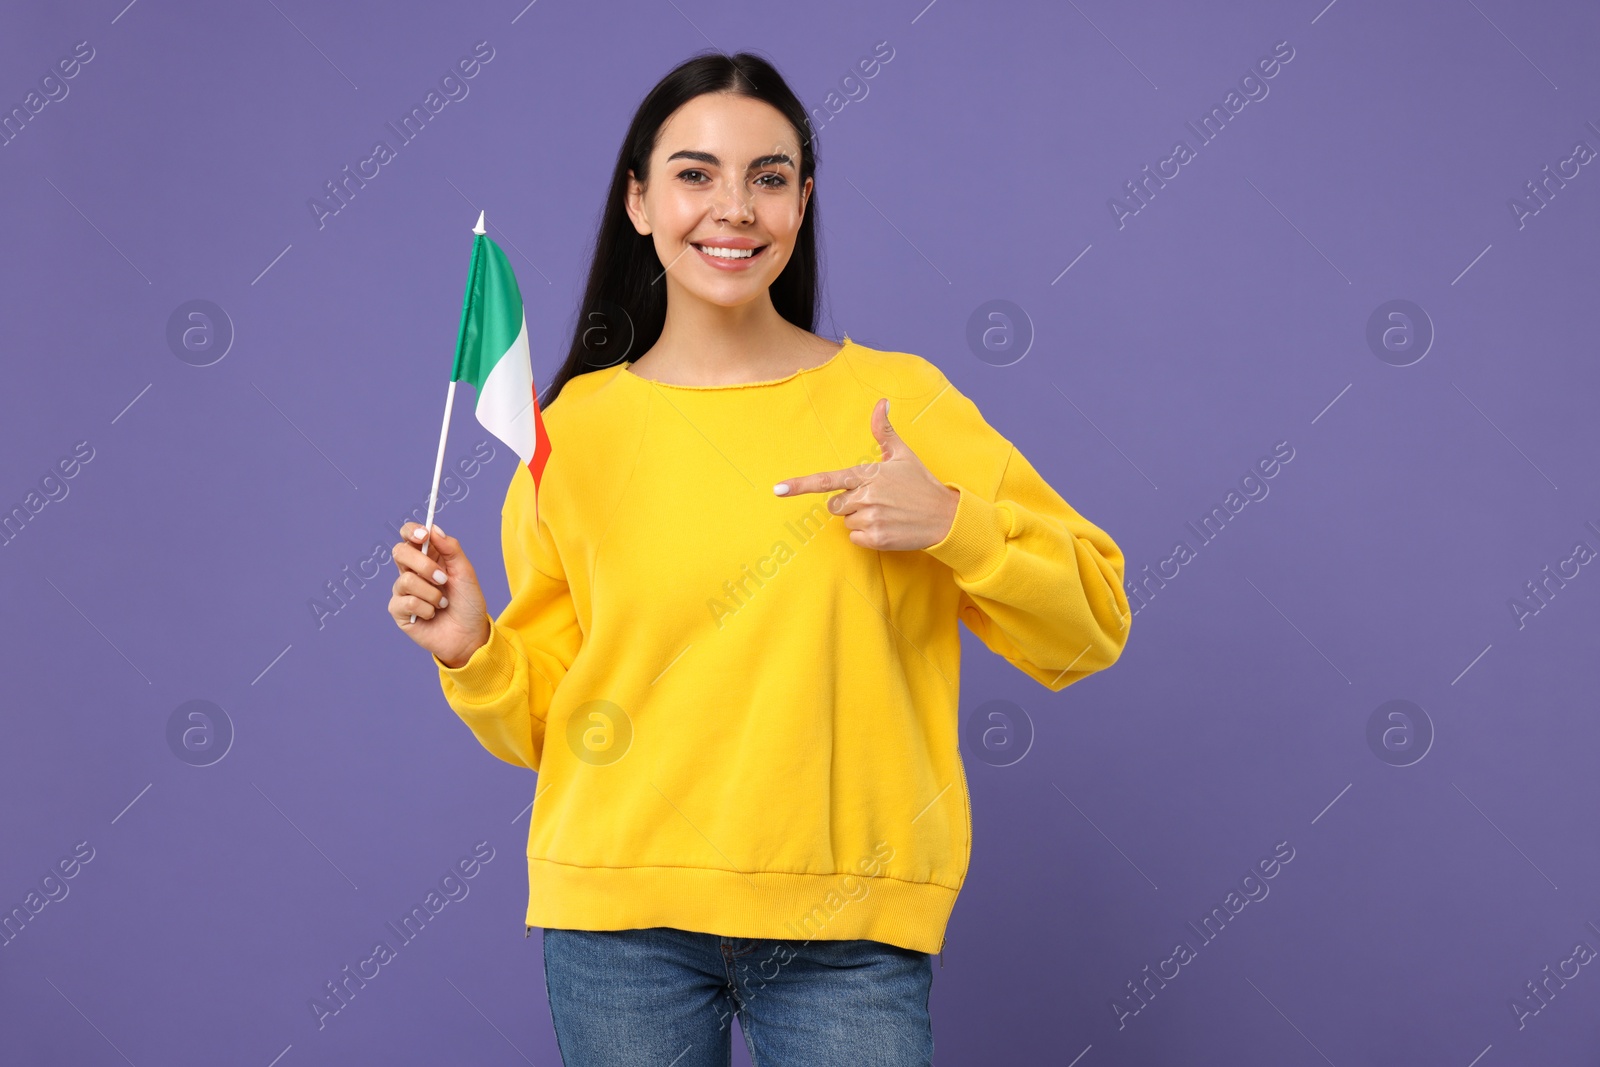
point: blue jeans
(659, 996)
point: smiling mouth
(729, 253)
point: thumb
(884, 433)
(442, 548)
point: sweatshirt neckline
(830, 361)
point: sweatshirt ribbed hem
(788, 907)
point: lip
(729, 242)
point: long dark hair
(624, 307)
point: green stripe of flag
(491, 314)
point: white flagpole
(444, 432)
(438, 465)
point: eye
(686, 173)
(779, 181)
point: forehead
(736, 128)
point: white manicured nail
(781, 488)
(439, 577)
(419, 533)
(444, 602)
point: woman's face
(724, 172)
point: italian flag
(492, 354)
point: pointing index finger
(824, 482)
(808, 483)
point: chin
(732, 300)
(733, 290)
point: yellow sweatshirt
(744, 723)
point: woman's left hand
(893, 504)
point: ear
(633, 203)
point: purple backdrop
(1372, 674)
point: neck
(706, 343)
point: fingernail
(439, 577)
(444, 602)
(419, 533)
(781, 488)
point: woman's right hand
(441, 590)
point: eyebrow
(707, 157)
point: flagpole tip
(479, 227)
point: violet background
(1228, 315)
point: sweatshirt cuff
(976, 542)
(487, 673)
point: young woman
(731, 648)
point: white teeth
(728, 253)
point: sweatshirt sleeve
(1040, 584)
(503, 691)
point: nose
(733, 203)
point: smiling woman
(709, 780)
(737, 217)
(711, 211)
